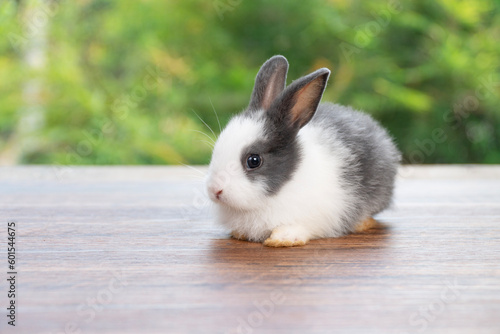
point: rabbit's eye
(254, 161)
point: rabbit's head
(258, 152)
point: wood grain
(140, 246)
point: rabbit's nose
(215, 191)
(218, 193)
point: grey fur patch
(279, 162)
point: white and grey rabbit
(288, 169)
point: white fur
(311, 203)
(226, 172)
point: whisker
(203, 133)
(208, 126)
(198, 178)
(195, 177)
(215, 112)
(208, 143)
(195, 169)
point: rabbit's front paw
(287, 236)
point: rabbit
(289, 169)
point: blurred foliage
(131, 82)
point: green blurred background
(127, 82)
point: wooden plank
(135, 250)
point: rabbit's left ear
(269, 83)
(295, 107)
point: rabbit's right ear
(269, 83)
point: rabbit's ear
(269, 83)
(296, 106)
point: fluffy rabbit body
(288, 169)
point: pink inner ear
(270, 93)
(305, 102)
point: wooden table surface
(135, 250)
